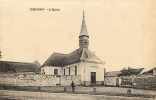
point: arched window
(64, 71)
(75, 70)
(69, 70)
(55, 71)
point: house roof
(113, 73)
(148, 70)
(131, 71)
(10, 66)
(59, 59)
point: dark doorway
(93, 77)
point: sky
(122, 32)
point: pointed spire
(83, 26)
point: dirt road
(25, 95)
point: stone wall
(32, 79)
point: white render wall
(92, 67)
(49, 70)
(111, 81)
(72, 69)
(84, 70)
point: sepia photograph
(77, 50)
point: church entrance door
(93, 78)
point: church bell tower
(83, 36)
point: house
(124, 77)
(146, 79)
(112, 78)
(81, 63)
(128, 75)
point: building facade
(112, 78)
(81, 63)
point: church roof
(83, 27)
(59, 59)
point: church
(81, 63)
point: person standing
(73, 86)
